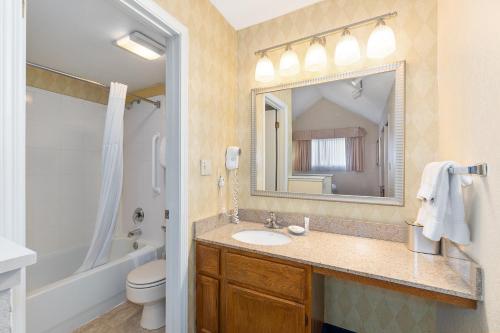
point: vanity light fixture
(381, 42)
(316, 57)
(264, 71)
(141, 45)
(347, 50)
(289, 62)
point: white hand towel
(432, 214)
(429, 182)
(444, 215)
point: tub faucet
(135, 232)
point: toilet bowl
(146, 286)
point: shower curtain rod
(155, 103)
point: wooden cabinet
(240, 292)
(207, 304)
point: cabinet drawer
(276, 278)
(207, 260)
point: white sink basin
(262, 237)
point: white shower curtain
(111, 180)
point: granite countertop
(378, 259)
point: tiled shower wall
(142, 121)
(63, 155)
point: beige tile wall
(415, 29)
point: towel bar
(478, 169)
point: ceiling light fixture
(347, 50)
(141, 45)
(381, 42)
(316, 57)
(264, 71)
(289, 62)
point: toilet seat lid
(153, 271)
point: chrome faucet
(272, 221)
(135, 232)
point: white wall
(63, 154)
(142, 121)
(469, 116)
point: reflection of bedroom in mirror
(329, 139)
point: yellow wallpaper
(212, 107)
(212, 98)
(415, 29)
(60, 84)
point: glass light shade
(289, 63)
(347, 50)
(264, 70)
(316, 58)
(381, 42)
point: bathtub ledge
(13, 257)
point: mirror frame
(399, 137)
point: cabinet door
(207, 304)
(248, 311)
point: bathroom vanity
(242, 287)
(239, 291)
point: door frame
(279, 105)
(12, 148)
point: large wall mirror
(338, 138)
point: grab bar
(154, 162)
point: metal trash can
(417, 242)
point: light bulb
(315, 57)
(289, 63)
(264, 70)
(381, 42)
(347, 50)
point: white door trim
(12, 147)
(12, 139)
(279, 105)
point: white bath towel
(429, 182)
(444, 215)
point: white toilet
(146, 286)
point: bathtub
(59, 301)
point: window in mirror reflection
(328, 155)
(329, 138)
